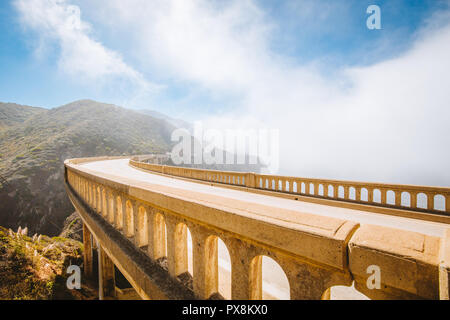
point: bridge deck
(120, 168)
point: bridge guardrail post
(250, 180)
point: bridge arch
(330, 191)
(183, 250)
(390, 197)
(224, 269)
(422, 200)
(405, 199)
(439, 202)
(341, 192)
(321, 190)
(217, 267)
(268, 281)
(352, 193)
(376, 195)
(364, 196)
(159, 236)
(341, 292)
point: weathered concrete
(315, 252)
(87, 253)
(148, 279)
(444, 268)
(409, 262)
(322, 188)
(107, 284)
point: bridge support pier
(106, 280)
(205, 263)
(444, 268)
(87, 254)
(242, 286)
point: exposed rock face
(73, 227)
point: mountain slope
(12, 114)
(178, 123)
(32, 155)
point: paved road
(274, 284)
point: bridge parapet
(425, 199)
(315, 252)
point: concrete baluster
(398, 197)
(124, 215)
(430, 201)
(346, 192)
(413, 199)
(383, 195)
(358, 193)
(105, 204)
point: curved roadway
(121, 168)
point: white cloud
(81, 56)
(387, 122)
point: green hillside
(12, 114)
(32, 151)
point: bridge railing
(410, 197)
(315, 252)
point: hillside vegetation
(12, 114)
(34, 143)
(35, 267)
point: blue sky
(349, 102)
(331, 34)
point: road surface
(274, 282)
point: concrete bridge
(169, 231)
